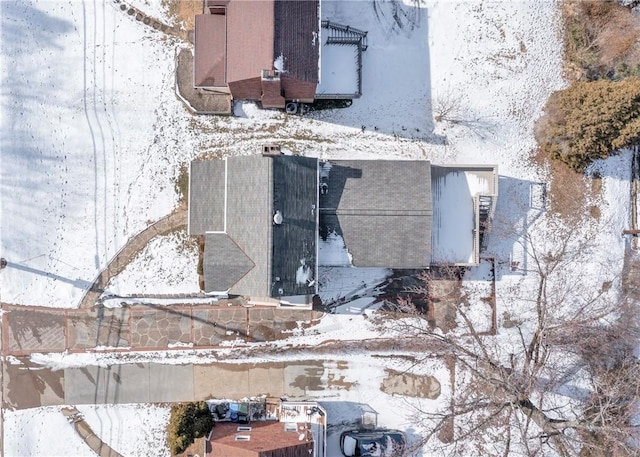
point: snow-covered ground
(43, 432)
(174, 256)
(131, 430)
(95, 145)
(93, 138)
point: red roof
(210, 51)
(266, 439)
(244, 37)
(236, 45)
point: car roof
(372, 433)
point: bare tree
(563, 380)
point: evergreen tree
(591, 120)
(187, 422)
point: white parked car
(372, 443)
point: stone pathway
(86, 433)
(149, 21)
(130, 250)
(28, 329)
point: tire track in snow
(96, 130)
(91, 130)
(102, 150)
(112, 150)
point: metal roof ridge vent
(277, 218)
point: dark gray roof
(382, 209)
(297, 37)
(206, 196)
(251, 254)
(295, 195)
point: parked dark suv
(372, 443)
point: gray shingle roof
(382, 209)
(247, 259)
(295, 194)
(249, 213)
(206, 196)
(224, 263)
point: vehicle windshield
(370, 448)
(349, 446)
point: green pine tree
(591, 120)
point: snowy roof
(456, 223)
(382, 209)
(246, 252)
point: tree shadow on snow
(520, 203)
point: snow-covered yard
(93, 138)
(95, 144)
(130, 429)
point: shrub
(181, 183)
(200, 268)
(590, 120)
(600, 36)
(187, 422)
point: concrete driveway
(27, 386)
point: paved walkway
(86, 433)
(28, 329)
(173, 221)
